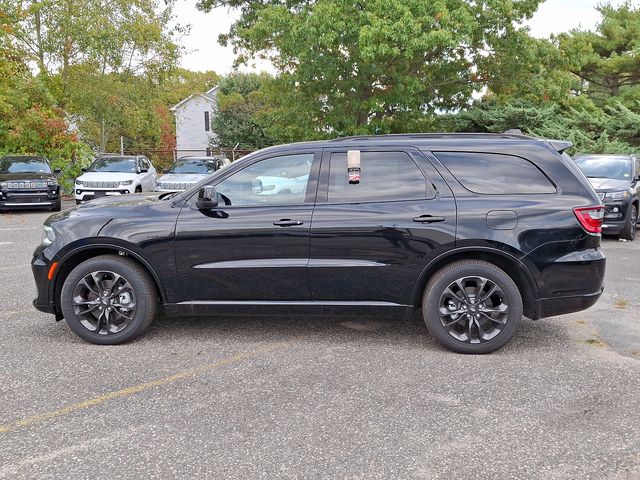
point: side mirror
(256, 186)
(207, 198)
(56, 171)
(144, 170)
(84, 169)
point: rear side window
(384, 176)
(496, 174)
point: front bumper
(86, 194)
(43, 301)
(29, 198)
(615, 217)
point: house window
(207, 122)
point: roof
(433, 141)
(208, 95)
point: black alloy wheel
(472, 306)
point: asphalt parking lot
(326, 398)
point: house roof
(208, 95)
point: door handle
(287, 222)
(428, 219)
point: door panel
(239, 254)
(375, 250)
(255, 244)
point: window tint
(383, 176)
(275, 181)
(495, 174)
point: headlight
(52, 183)
(126, 182)
(3, 185)
(48, 235)
(78, 182)
(616, 195)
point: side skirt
(281, 308)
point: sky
(204, 53)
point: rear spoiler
(560, 145)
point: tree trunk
(39, 46)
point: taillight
(590, 218)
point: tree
(100, 59)
(607, 60)
(241, 116)
(377, 65)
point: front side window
(384, 176)
(278, 180)
(495, 174)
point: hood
(609, 184)
(181, 177)
(106, 177)
(25, 176)
(103, 209)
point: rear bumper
(550, 307)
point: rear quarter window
(495, 174)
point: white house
(193, 123)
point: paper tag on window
(353, 166)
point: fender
(449, 256)
(112, 246)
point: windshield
(194, 165)
(605, 167)
(114, 164)
(24, 165)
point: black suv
(616, 179)
(477, 230)
(28, 182)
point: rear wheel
(629, 230)
(472, 306)
(108, 300)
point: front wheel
(629, 230)
(472, 306)
(108, 300)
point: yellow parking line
(125, 392)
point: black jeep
(616, 179)
(28, 182)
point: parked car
(616, 179)
(27, 181)
(111, 175)
(187, 171)
(477, 230)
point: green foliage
(241, 116)
(615, 129)
(607, 60)
(377, 65)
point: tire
(57, 207)
(78, 202)
(451, 329)
(141, 293)
(139, 189)
(629, 230)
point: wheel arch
(513, 267)
(73, 258)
